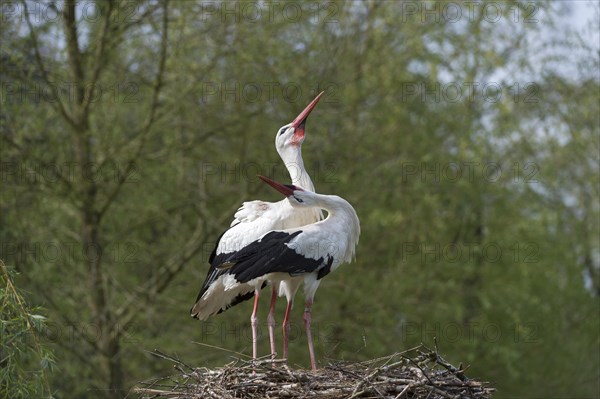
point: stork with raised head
(251, 221)
(301, 254)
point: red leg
(286, 329)
(254, 323)
(271, 323)
(307, 319)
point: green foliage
(25, 362)
(109, 209)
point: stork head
(297, 196)
(291, 135)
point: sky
(583, 12)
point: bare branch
(163, 277)
(99, 58)
(40, 63)
(172, 267)
(151, 115)
(75, 61)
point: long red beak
(283, 189)
(300, 120)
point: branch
(166, 274)
(24, 315)
(64, 319)
(172, 267)
(38, 160)
(440, 360)
(99, 56)
(151, 116)
(40, 63)
(73, 51)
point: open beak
(300, 120)
(283, 189)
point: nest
(417, 373)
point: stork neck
(339, 211)
(334, 205)
(340, 216)
(295, 166)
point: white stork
(251, 221)
(306, 253)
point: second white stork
(251, 221)
(304, 254)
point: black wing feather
(267, 255)
(213, 273)
(271, 255)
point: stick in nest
(417, 373)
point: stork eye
(299, 199)
(281, 130)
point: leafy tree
(26, 362)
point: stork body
(301, 254)
(251, 221)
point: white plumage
(252, 220)
(300, 254)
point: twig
(220, 348)
(158, 353)
(419, 375)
